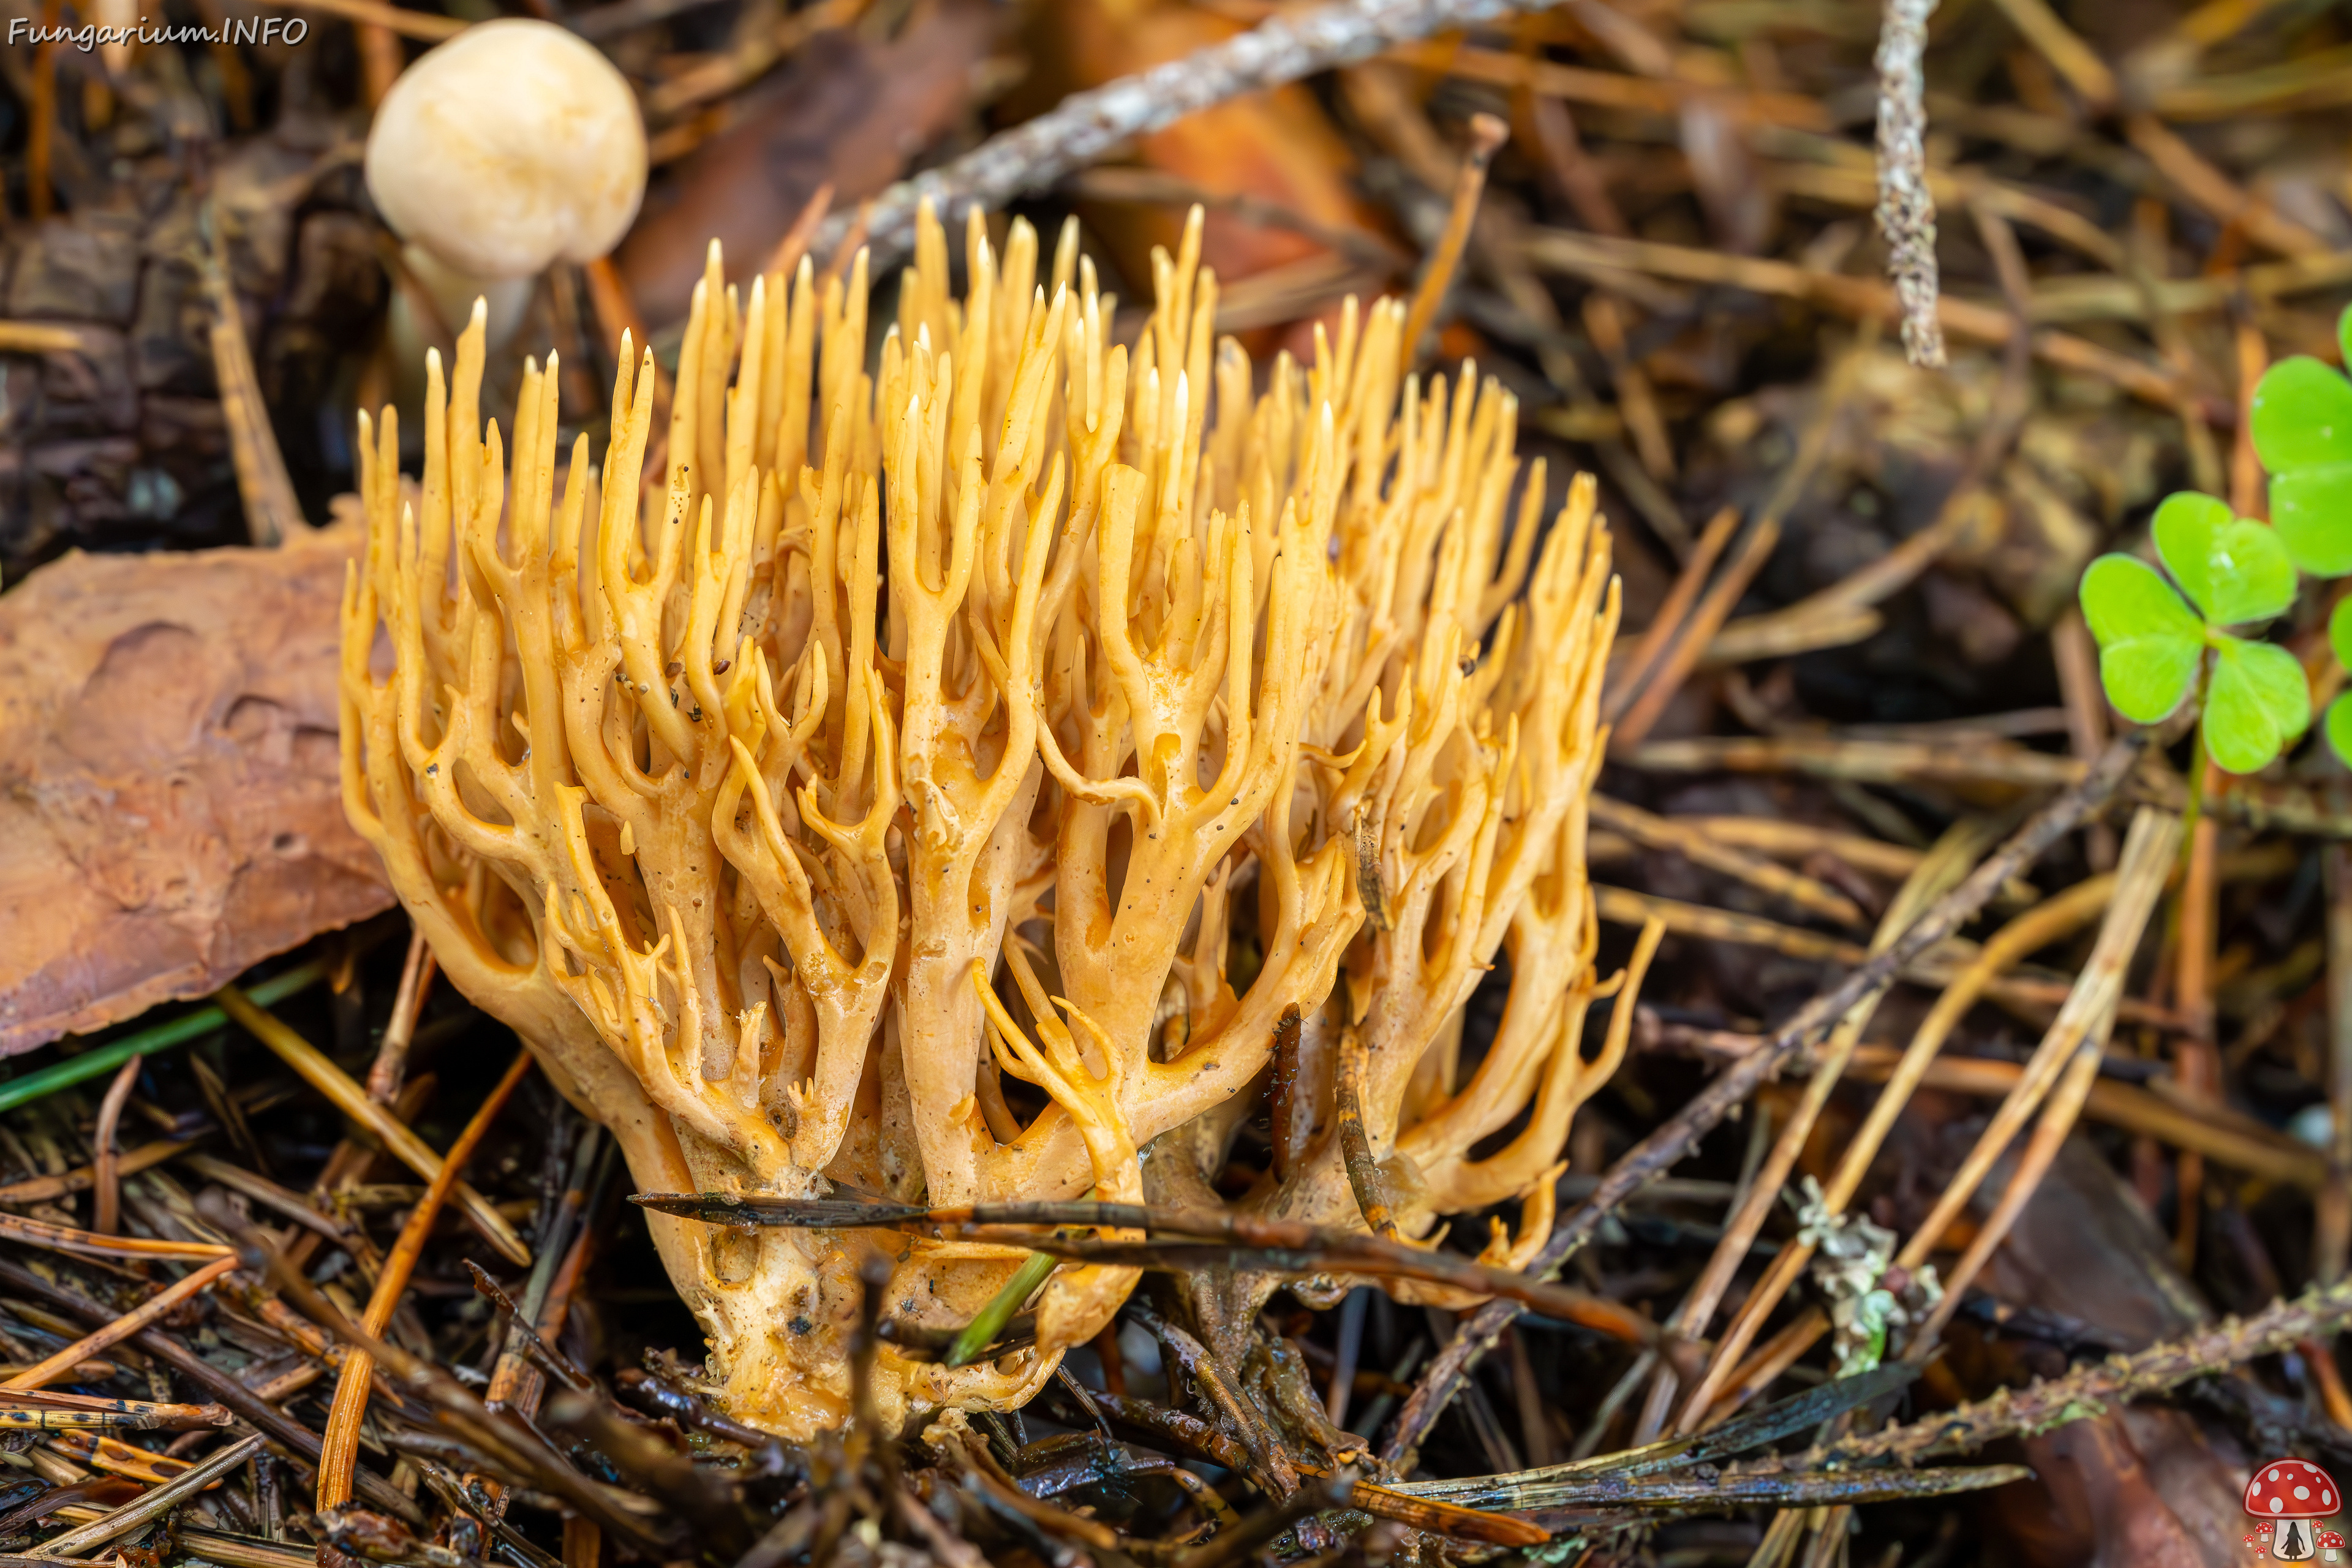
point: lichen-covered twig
(1662, 1148)
(1085, 126)
(1906, 211)
(1791, 1487)
(2092, 1388)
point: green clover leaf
(2256, 704)
(2152, 642)
(2338, 722)
(2232, 569)
(2301, 428)
(2149, 641)
(2339, 726)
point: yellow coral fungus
(999, 713)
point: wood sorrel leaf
(2150, 642)
(2232, 569)
(2339, 726)
(2256, 704)
(2302, 428)
(2339, 632)
(2314, 507)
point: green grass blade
(990, 1320)
(99, 1060)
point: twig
(343, 1435)
(121, 1329)
(105, 1161)
(264, 1190)
(1658, 638)
(1241, 1240)
(271, 512)
(158, 1414)
(40, 338)
(2092, 1390)
(1665, 1146)
(156, 1503)
(1693, 844)
(1796, 1489)
(2195, 1062)
(422, 25)
(390, 1069)
(90, 1244)
(1691, 640)
(1487, 135)
(80, 1420)
(1086, 126)
(2213, 192)
(1282, 1085)
(1864, 762)
(2067, 54)
(405, 1146)
(1269, 1465)
(1906, 211)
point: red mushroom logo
(2290, 1495)
(2330, 1543)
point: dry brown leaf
(842, 111)
(168, 810)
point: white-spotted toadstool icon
(2330, 1544)
(2290, 1494)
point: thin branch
(1906, 211)
(106, 1165)
(1487, 135)
(1086, 126)
(2092, 1389)
(160, 1500)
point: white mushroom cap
(512, 146)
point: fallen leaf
(842, 111)
(170, 809)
